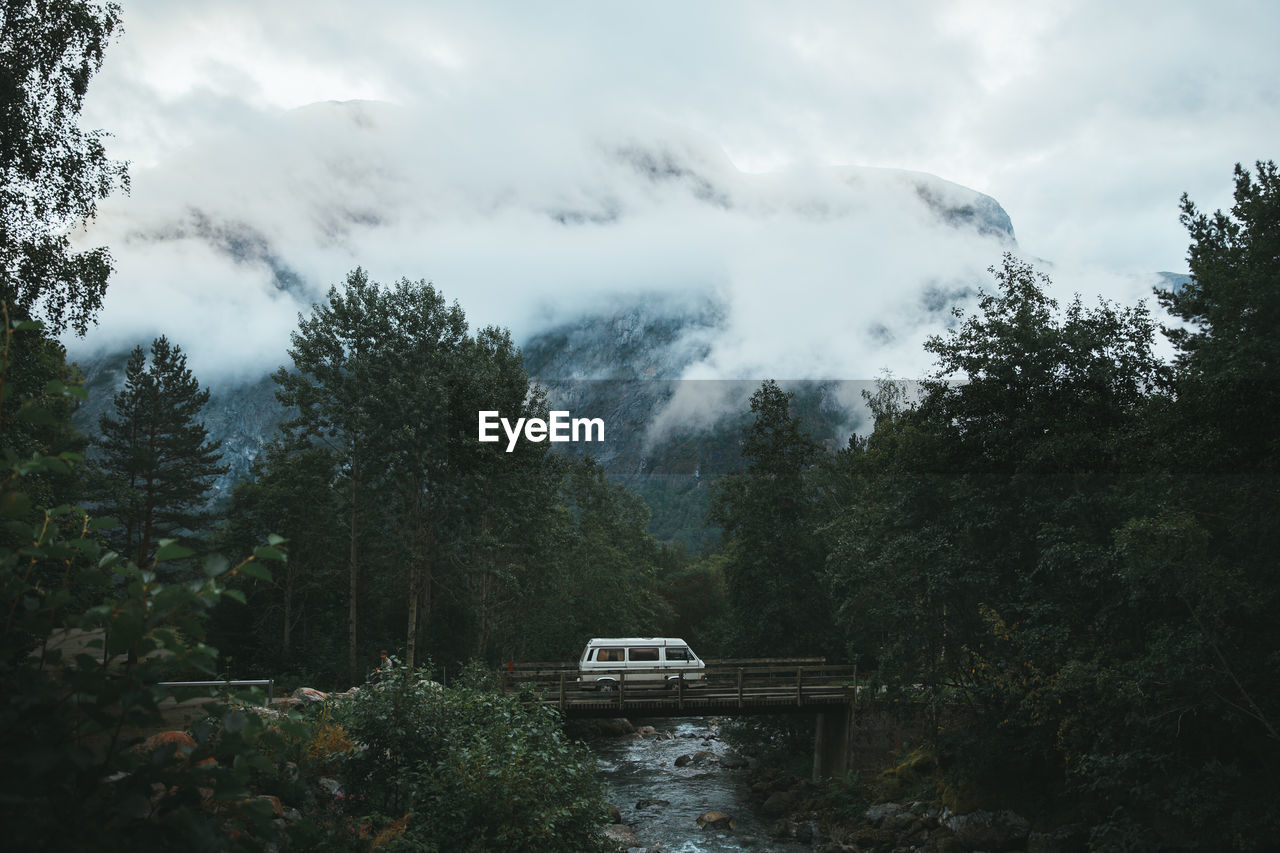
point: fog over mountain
(818, 273)
(544, 164)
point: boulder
(646, 731)
(309, 695)
(603, 727)
(715, 820)
(684, 760)
(179, 744)
(778, 804)
(994, 831)
(622, 835)
(877, 814)
(732, 761)
(179, 740)
(616, 727)
(615, 816)
(277, 807)
(703, 755)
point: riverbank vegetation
(1067, 538)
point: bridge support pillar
(831, 743)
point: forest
(1057, 531)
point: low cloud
(545, 165)
(821, 273)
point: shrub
(465, 769)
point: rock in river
(715, 820)
(622, 835)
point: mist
(539, 166)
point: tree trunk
(288, 609)
(148, 519)
(411, 635)
(353, 586)
(419, 569)
(149, 499)
(482, 629)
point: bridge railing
(737, 681)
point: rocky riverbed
(679, 789)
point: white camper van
(608, 660)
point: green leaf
(215, 564)
(171, 550)
(255, 570)
(234, 594)
(268, 552)
(276, 539)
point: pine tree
(156, 463)
(774, 561)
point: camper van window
(677, 654)
(646, 654)
(609, 655)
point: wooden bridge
(729, 688)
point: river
(638, 769)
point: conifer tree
(774, 562)
(156, 462)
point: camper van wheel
(671, 681)
(607, 685)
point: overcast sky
(497, 149)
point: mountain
(627, 358)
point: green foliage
(1076, 543)
(699, 601)
(775, 737)
(912, 777)
(81, 680)
(156, 463)
(409, 532)
(52, 173)
(466, 769)
(295, 623)
(774, 563)
(38, 393)
(386, 383)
